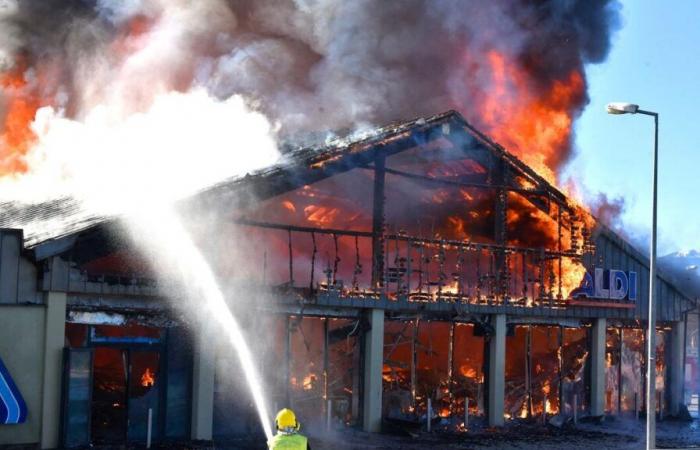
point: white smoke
(183, 143)
(132, 132)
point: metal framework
(429, 269)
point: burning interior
(469, 256)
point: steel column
(378, 222)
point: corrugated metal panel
(10, 254)
(671, 303)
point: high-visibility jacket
(288, 441)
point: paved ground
(544, 440)
(611, 434)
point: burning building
(419, 263)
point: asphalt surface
(613, 433)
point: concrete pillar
(54, 339)
(598, 333)
(373, 363)
(203, 385)
(497, 373)
(676, 366)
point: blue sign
(608, 284)
(13, 409)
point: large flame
(536, 125)
(16, 136)
(531, 122)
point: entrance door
(109, 399)
(125, 388)
(109, 410)
(77, 395)
(144, 388)
(115, 375)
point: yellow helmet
(286, 420)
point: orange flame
(321, 215)
(468, 371)
(308, 382)
(523, 411)
(289, 206)
(148, 379)
(572, 274)
(16, 136)
(534, 126)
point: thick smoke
(608, 211)
(313, 66)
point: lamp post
(629, 108)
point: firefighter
(287, 437)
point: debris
(558, 421)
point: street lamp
(630, 108)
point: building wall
(22, 350)
(612, 252)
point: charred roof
(57, 226)
(66, 218)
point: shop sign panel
(607, 288)
(13, 409)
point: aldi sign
(606, 284)
(13, 409)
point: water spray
(189, 266)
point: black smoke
(318, 65)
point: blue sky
(654, 62)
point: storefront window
(133, 371)
(575, 359)
(432, 366)
(398, 361)
(632, 369)
(612, 371)
(544, 369)
(517, 370)
(306, 380)
(109, 401)
(468, 370)
(274, 362)
(77, 400)
(144, 383)
(234, 412)
(178, 393)
(343, 367)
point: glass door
(115, 375)
(77, 396)
(143, 395)
(109, 400)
